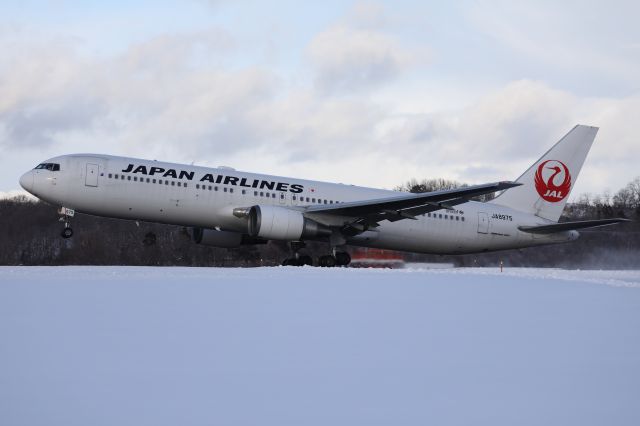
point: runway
(316, 346)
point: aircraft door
(483, 223)
(91, 175)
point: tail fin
(547, 183)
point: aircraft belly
(419, 236)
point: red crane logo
(548, 189)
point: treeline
(439, 184)
(30, 235)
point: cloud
(510, 128)
(161, 90)
(350, 59)
(180, 98)
(590, 47)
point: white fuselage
(187, 195)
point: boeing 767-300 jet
(229, 208)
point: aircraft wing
(569, 226)
(369, 212)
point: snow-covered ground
(309, 346)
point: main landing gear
(298, 259)
(66, 215)
(339, 258)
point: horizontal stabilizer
(569, 226)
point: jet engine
(280, 223)
(223, 239)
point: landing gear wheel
(343, 258)
(297, 260)
(65, 216)
(292, 261)
(66, 233)
(327, 261)
(305, 260)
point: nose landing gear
(66, 215)
(67, 232)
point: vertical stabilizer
(546, 185)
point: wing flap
(405, 206)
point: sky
(368, 93)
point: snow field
(315, 346)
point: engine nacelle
(280, 223)
(223, 239)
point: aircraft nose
(26, 181)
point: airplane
(229, 208)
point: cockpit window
(54, 167)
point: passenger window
(160, 181)
(185, 184)
(166, 182)
(262, 194)
(210, 188)
(439, 216)
(148, 180)
(109, 175)
(462, 218)
(225, 189)
(122, 177)
(244, 192)
(154, 181)
(135, 178)
(128, 177)
(231, 190)
(282, 196)
(255, 193)
(197, 186)
(457, 217)
(273, 195)
(293, 197)
(179, 183)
